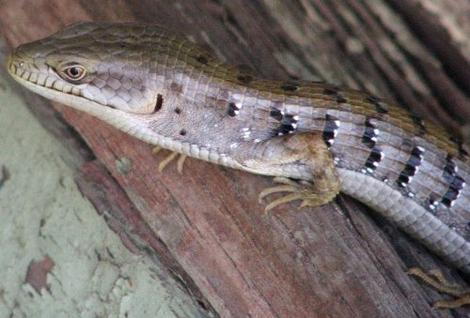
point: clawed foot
(436, 279)
(162, 165)
(297, 190)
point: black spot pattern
(340, 99)
(463, 154)
(334, 91)
(202, 59)
(245, 78)
(288, 125)
(433, 202)
(330, 130)
(159, 103)
(379, 105)
(233, 109)
(456, 182)
(330, 91)
(290, 86)
(276, 114)
(411, 166)
(419, 123)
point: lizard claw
(180, 163)
(166, 161)
(282, 188)
(285, 199)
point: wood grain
(206, 225)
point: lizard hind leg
(306, 152)
(436, 279)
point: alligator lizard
(316, 139)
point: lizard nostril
(16, 65)
(11, 64)
(15, 59)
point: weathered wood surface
(206, 225)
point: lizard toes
(172, 156)
(296, 190)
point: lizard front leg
(303, 165)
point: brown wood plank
(211, 231)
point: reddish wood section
(206, 225)
(37, 272)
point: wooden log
(206, 225)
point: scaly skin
(168, 92)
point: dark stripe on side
(369, 138)
(453, 192)
(374, 159)
(370, 134)
(411, 167)
(456, 182)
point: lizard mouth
(47, 79)
(45, 82)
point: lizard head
(94, 67)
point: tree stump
(206, 225)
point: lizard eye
(73, 72)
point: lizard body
(168, 92)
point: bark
(206, 225)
